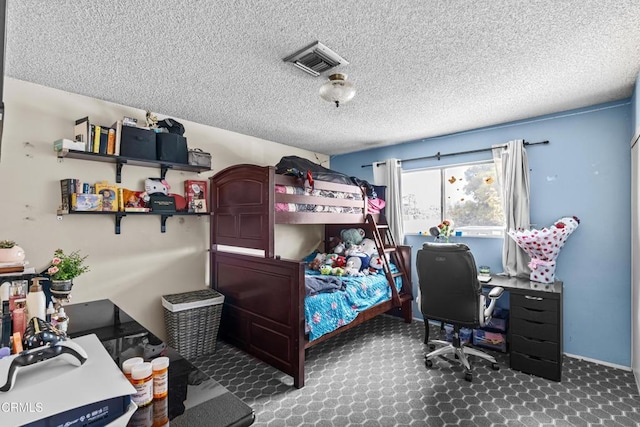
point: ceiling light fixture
(337, 89)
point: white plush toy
(353, 267)
(368, 246)
(154, 186)
(375, 264)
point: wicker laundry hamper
(192, 320)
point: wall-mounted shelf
(119, 215)
(121, 161)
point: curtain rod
(439, 155)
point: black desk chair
(451, 293)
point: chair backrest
(449, 286)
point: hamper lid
(189, 300)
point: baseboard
(636, 374)
(588, 359)
(600, 362)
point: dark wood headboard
(242, 206)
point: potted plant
(10, 252)
(63, 269)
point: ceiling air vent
(315, 59)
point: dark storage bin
(172, 147)
(138, 143)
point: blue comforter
(326, 312)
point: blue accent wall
(584, 171)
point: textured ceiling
(422, 68)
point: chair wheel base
(428, 363)
(495, 366)
(468, 376)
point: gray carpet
(374, 375)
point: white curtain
(512, 169)
(389, 174)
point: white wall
(635, 257)
(133, 269)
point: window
(466, 194)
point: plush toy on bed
(335, 260)
(368, 246)
(318, 261)
(353, 267)
(375, 265)
(352, 236)
(355, 251)
(325, 270)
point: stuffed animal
(318, 261)
(361, 256)
(325, 270)
(152, 120)
(375, 264)
(353, 267)
(337, 271)
(330, 259)
(352, 236)
(368, 246)
(154, 186)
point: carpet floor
(375, 375)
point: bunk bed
(264, 307)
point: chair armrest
(494, 294)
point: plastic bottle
(62, 321)
(36, 301)
(4, 291)
(160, 367)
(142, 381)
(128, 364)
(19, 319)
(17, 292)
(50, 312)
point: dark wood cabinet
(535, 326)
(536, 333)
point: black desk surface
(194, 398)
(523, 285)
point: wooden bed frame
(263, 310)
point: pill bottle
(62, 321)
(142, 380)
(128, 364)
(160, 367)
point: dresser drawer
(536, 330)
(542, 316)
(535, 302)
(534, 366)
(543, 349)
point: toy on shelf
(543, 246)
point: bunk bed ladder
(387, 246)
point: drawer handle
(533, 298)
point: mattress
(327, 311)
